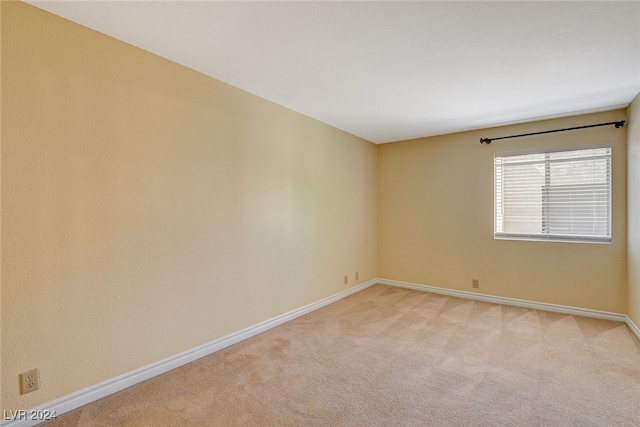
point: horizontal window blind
(555, 195)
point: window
(555, 194)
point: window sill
(554, 239)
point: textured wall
(633, 188)
(148, 209)
(436, 212)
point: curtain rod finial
(619, 124)
(485, 141)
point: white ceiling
(388, 71)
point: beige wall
(148, 209)
(633, 170)
(1, 2)
(436, 211)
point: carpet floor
(395, 357)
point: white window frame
(499, 216)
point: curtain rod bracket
(617, 124)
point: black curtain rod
(488, 140)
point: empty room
(320, 213)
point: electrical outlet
(29, 381)
(346, 279)
(475, 283)
(357, 275)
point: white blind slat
(557, 195)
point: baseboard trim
(564, 309)
(114, 385)
(634, 328)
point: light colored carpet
(395, 357)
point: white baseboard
(564, 309)
(634, 328)
(113, 385)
